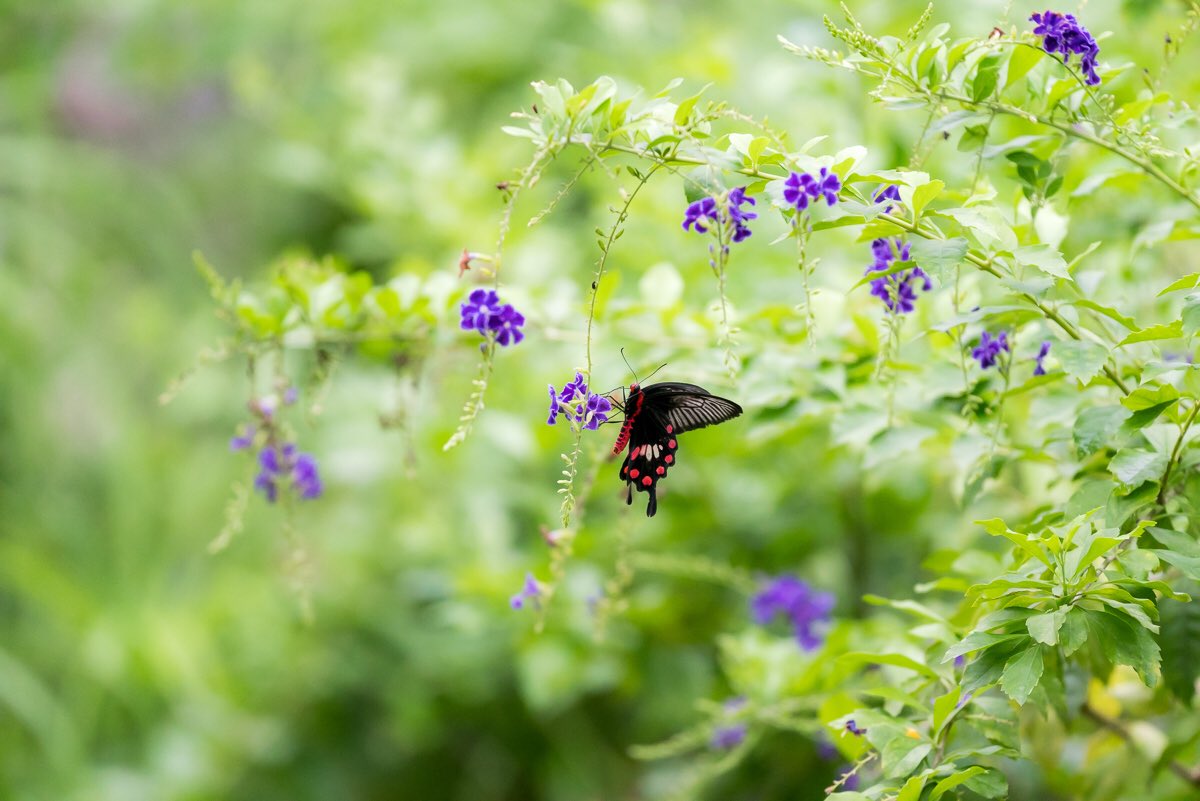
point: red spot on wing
(668, 458)
(633, 473)
(647, 481)
(662, 471)
(670, 428)
(671, 444)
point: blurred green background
(134, 664)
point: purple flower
(849, 780)
(1043, 351)
(738, 218)
(290, 395)
(244, 440)
(889, 192)
(895, 290)
(852, 727)
(530, 591)
(1062, 33)
(799, 188)
(278, 463)
(727, 737)
(591, 410)
(731, 215)
(803, 606)
(696, 212)
(483, 312)
(989, 348)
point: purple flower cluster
(483, 312)
(990, 348)
(799, 603)
(727, 737)
(732, 215)
(1062, 33)
(853, 728)
(277, 464)
(1043, 352)
(889, 192)
(800, 188)
(530, 591)
(591, 411)
(895, 290)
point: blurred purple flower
(853, 728)
(1062, 33)
(243, 440)
(290, 395)
(530, 591)
(895, 290)
(275, 464)
(727, 737)
(795, 600)
(1043, 351)
(850, 782)
(989, 348)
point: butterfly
(654, 418)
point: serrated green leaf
(987, 75)
(1044, 627)
(856, 658)
(977, 640)
(923, 195)
(1022, 673)
(1124, 642)
(938, 257)
(1154, 333)
(901, 756)
(990, 784)
(1189, 281)
(1180, 639)
(1095, 428)
(1044, 258)
(1074, 631)
(954, 780)
(1080, 360)
(1133, 466)
(911, 791)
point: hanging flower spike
(530, 591)
(896, 290)
(738, 218)
(989, 348)
(791, 597)
(1042, 353)
(698, 211)
(1062, 33)
(276, 463)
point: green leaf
(1154, 333)
(1022, 673)
(1122, 505)
(989, 665)
(1095, 427)
(1180, 638)
(923, 195)
(1044, 258)
(938, 257)
(1074, 631)
(1190, 316)
(1022, 61)
(1125, 642)
(911, 791)
(901, 756)
(1190, 281)
(1044, 628)
(954, 780)
(1080, 360)
(991, 784)
(1181, 551)
(1108, 311)
(944, 707)
(976, 641)
(1133, 466)
(1149, 395)
(987, 75)
(856, 658)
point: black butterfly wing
(660, 413)
(651, 455)
(686, 407)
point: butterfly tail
(652, 505)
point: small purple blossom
(853, 728)
(590, 411)
(243, 440)
(279, 463)
(727, 737)
(989, 348)
(889, 192)
(290, 395)
(1062, 34)
(530, 591)
(483, 312)
(732, 215)
(795, 600)
(895, 290)
(800, 188)
(1043, 351)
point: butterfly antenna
(661, 366)
(630, 366)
